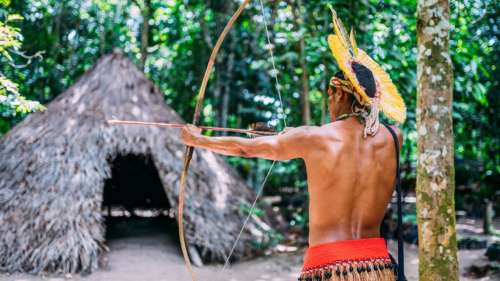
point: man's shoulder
(398, 132)
(303, 130)
(330, 129)
(313, 133)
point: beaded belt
(357, 260)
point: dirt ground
(154, 256)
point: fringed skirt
(348, 260)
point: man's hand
(190, 135)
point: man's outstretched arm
(285, 146)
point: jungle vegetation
(45, 45)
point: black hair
(339, 75)
(365, 78)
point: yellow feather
(353, 43)
(391, 102)
(339, 29)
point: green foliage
(12, 103)
(74, 34)
(475, 58)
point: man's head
(374, 89)
(341, 95)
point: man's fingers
(184, 133)
(193, 129)
(189, 134)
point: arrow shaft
(178, 125)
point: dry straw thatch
(54, 164)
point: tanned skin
(350, 179)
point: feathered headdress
(379, 92)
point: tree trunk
(228, 71)
(304, 81)
(146, 15)
(224, 109)
(435, 169)
(489, 214)
(219, 84)
(102, 33)
(324, 99)
(57, 26)
(304, 97)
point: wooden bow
(188, 154)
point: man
(350, 164)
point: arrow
(178, 126)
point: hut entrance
(135, 206)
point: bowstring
(275, 71)
(252, 208)
(283, 117)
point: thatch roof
(54, 164)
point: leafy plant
(12, 103)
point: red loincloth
(362, 259)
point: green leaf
(14, 17)
(5, 3)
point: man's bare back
(350, 181)
(350, 178)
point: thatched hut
(54, 167)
